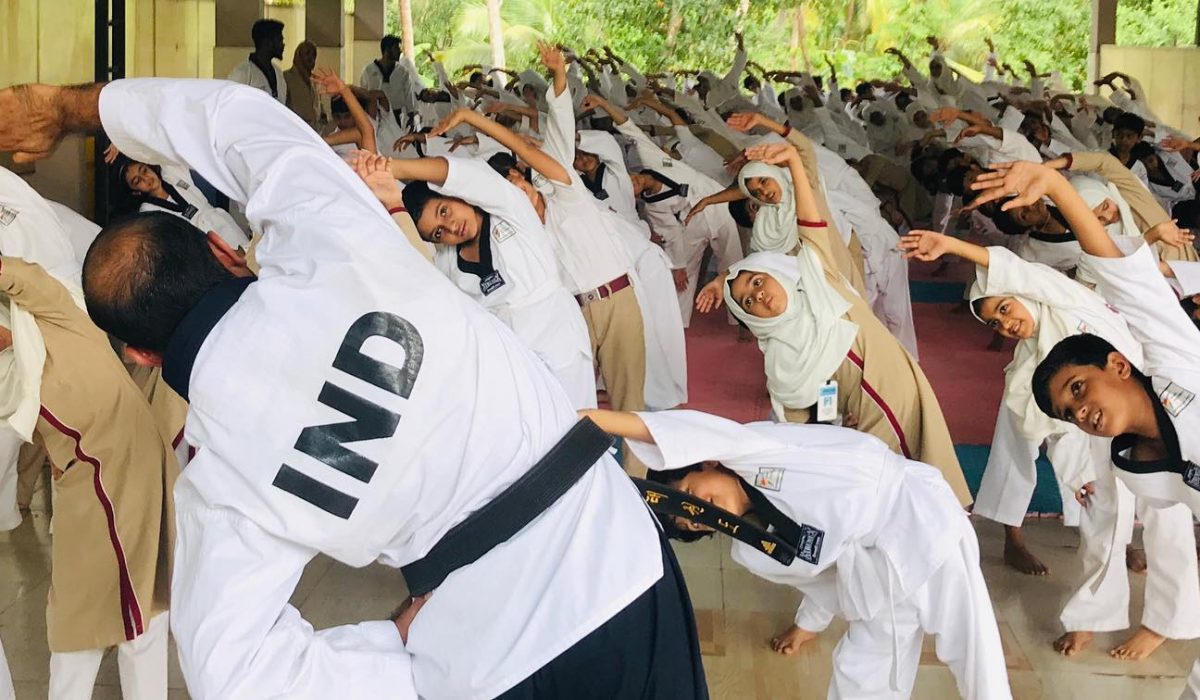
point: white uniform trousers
(142, 664)
(10, 452)
(954, 606)
(7, 692)
(727, 249)
(1010, 477)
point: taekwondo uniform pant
(878, 658)
(10, 451)
(142, 664)
(1101, 603)
(7, 692)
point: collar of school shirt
(191, 332)
(1173, 462)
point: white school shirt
(80, 231)
(530, 297)
(207, 217)
(248, 73)
(1171, 345)
(882, 524)
(23, 210)
(589, 249)
(481, 409)
(1012, 147)
(396, 87)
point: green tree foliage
(698, 34)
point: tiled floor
(737, 615)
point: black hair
(476, 77)
(1141, 151)
(391, 41)
(503, 162)
(1129, 121)
(750, 82)
(955, 182)
(903, 100)
(1005, 222)
(338, 105)
(1073, 351)
(264, 30)
(863, 89)
(417, 195)
(670, 526)
(739, 209)
(144, 273)
(946, 156)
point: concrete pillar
(369, 28)
(1104, 31)
(234, 18)
(324, 26)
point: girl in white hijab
(1039, 306)
(813, 327)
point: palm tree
(495, 33)
(406, 28)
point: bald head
(143, 274)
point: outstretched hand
(376, 172)
(552, 57)
(458, 116)
(711, 296)
(926, 246)
(1022, 181)
(111, 154)
(700, 206)
(405, 140)
(327, 81)
(773, 153)
(744, 121)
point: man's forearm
(79, 106)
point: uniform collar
(1172, 462)
(191, 332)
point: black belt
(508, 513)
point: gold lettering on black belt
(326, 443)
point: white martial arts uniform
(685, 244)
(362, 323)
(396, 85)
(1171, 344)
(884, 543)
(855, 208)
(612, 187)
(80, 231)
(1101, 603)
(203, 215)
(522, 287)
(248, 73)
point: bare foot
(790, 640)
(1018, 556)
(1072, 643)
(1139, 646)
(1135, 559)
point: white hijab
(1053, 322)
(804, 345)
(775, 224)
(1093, 192)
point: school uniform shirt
(249, 73)
(1011, 147)
(880, 523)
(394, 84)
(31, 229)
(448, 408)
(192, 206)
(1171, 345)
(111, 554)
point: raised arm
(622, 424)
(522, 149)
(329, 83)
(928, 246)
(1027, 182)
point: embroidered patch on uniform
(1191, 475)
(668, 163)
(503, 231)
(1175, 398)
(491, 283)
(770, 478)
(182, 185)
(8, 214)
(539, 180)
(809, 547)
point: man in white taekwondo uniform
(446, 410)
(878, 539)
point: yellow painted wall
(1170, 76)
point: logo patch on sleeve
(1175, 399)
(809, 547)
(770, 478)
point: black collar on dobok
(670, 188)
(174, 202)
(191, 332)
(780, 543)
(1173, 462)
(596, 185)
